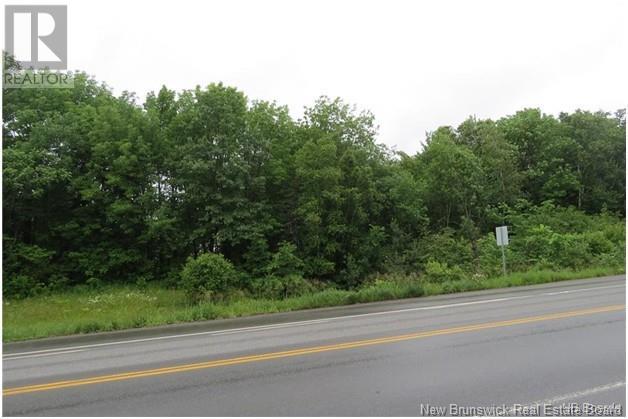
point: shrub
(615, 232)
(172, 278)
(615, 258)
(437, 272)
(20, 286)
(598, 243)
(94, 283)
(536, 245)
(544, 247)
(269, 286)
(285, 261)
(450, 287)
(26, 268)
(448, 249)
(296, 285)
(58, 282)
(490, 256)
(570, 251)
(206, 275)
(389, 287)
(562, 220)
(275, 287)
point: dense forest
(101, 189)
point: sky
(415, 64)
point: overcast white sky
(415, 64)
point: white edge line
(568, 396)
(9, 358)
(69, 349)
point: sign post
(501, 233)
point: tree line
(99, 188)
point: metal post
(503, 259)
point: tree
(453, 180)
(97, 188)
(544, 154)
(600, 158)
(497, 157)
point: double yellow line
(303, 351)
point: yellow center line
(304, 351)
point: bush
(490, 256)
(58, 282)
(448, 249)
(94, 283)
(26, 268)
(275, 287)
(615, 232)
(536, 245)
(296, 285)
(285, 261)
(438, 273)
(269, 287)
(598, 243)
(207, 275)
(544, 247)
(570, 251)
(20, 286)
(614, 258)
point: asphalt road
(558, 344)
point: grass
(124, 307)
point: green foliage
(285, 261)
(122, 307)
(26, 270)
(490, 256)
(295, 285)
(21, 286)
(267, 287)
(447, 248)
(280, 287)
(206, 275)
(98, 190)
(440, 272)
(453, 178)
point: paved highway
(557, 344)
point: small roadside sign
(502, 235)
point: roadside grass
(124, 307)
